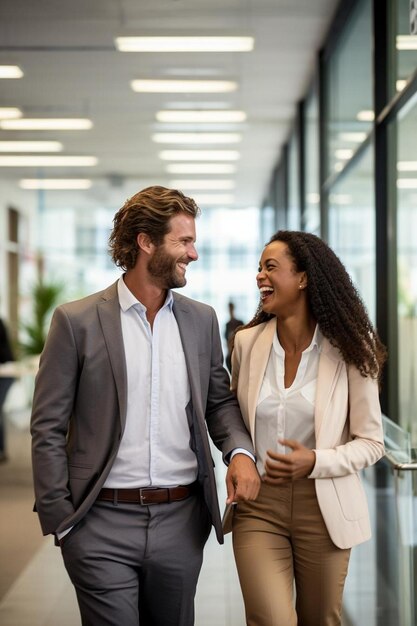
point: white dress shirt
(287, 413)
(155, 446)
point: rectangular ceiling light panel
(48, 161)
(199, 155)
(55, 183)
(201, 168)
(183, 86)
(196, 117)
(10, 71)
(30, 146)
(196, 138)
(184, 44)
(46, 124)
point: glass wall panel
(352, 226)
(404, 44)
(407, 268)
(349, 100)
(311, 218)
(227, 265)
(293, 211)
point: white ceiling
(72, 69)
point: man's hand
(242, 479)
(281, 468)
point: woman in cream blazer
(305, 369)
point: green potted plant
(45, 297)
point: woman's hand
(281, 468)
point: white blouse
(287, 413)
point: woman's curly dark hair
(148, 211)
(334, 302)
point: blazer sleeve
(362, 443)
(223, 416)
(53, 400)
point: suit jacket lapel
(109, 315)
(257, 365)
(189, 339)
(330, 365)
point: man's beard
(164, 269)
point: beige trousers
(281, 543)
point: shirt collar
(127, 299)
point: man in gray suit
(130, 380)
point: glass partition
(293, 211)
(311, 217)
(349, 99)
(404, 45)
(407, 267)
(381, 585)
(352, 226)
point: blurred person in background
(229, 333)
(6, 355)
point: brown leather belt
(148, 495)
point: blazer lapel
(330, 365)
(189, 339)
(109, 315)
(257, 365)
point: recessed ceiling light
(407, 166)
(354, 137)
(197, 105)
(407, 183)
(184, 44)
(201, 116)
(343, 153)
(46, 124)
(199, 155)
(365, 116)
(183, 86)
(10, 71)
(47, 161)
(400, 84)
(220, 185)
(8, 113)
(55, 183)
(30, 146)
(209, 199)
(201, 168)
(197, 138)
(406, 42)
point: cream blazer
(348, 428)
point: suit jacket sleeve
(223, 416)
(53, 400)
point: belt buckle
(142, 496)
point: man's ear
(144, 243)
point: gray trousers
(133, 564)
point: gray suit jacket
(79, 405)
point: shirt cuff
(241, 451)
(63, 533)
